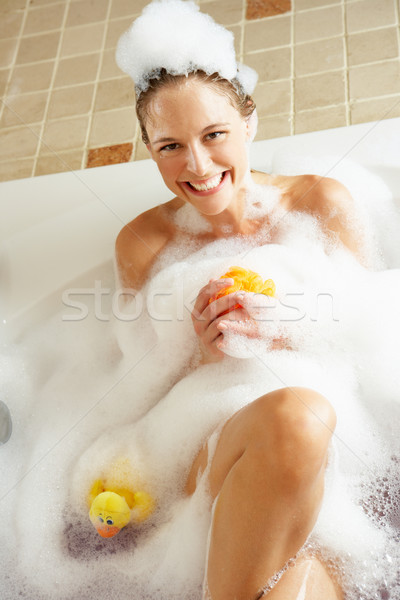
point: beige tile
(273, 98)
(24, 109)
(225, 12)
(64, 135)
(371, 46)
(269, 33)
(318, 24)
(8, 5)
(31, 78)
(7, 52)
(273, 127)
(59, 163)
(75, 100)
(115, 30)
(123, 8)
(379, 79)
(369, 14)
(79, 40)
(109, 67)
(306, 4)
(79, 69)
(4, 75)
(38, 47)
(114, 93)
(314, 57)
(83, 12)
(16, 169)
(237, 34)
(270, 64)
(47, 2)
(44, 18)
(319, 119)
(374, 110)
(113, 127)
(19, 142)
(141, 152)
(315, 91)
(10, 24)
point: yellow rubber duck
(112, 507)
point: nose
(198, 160)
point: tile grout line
(14, 61)
(95, 88)
(51, 87)
(346, 66)
(292, 70)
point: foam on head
(176, 36)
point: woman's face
(198, 141)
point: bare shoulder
(139, 243)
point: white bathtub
(58, 230)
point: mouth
(206, 186)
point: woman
(267, 473)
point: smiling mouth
(207, 185)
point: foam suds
(114, 389)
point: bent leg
(267, 475)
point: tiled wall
(65, 104)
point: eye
(215, 134)
(110, 522)
(169, 147)
(101, 519)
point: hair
(232, 90)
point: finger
(247, 328)
(207, 292)
(222, 305)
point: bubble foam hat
(174, 35)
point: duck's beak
(108, 531)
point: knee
(294, 428)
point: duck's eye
(101, 519)
(110, 522)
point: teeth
(209, 185)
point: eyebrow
(169, 139)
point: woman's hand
(206, 317)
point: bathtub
(58, 231)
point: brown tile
(16, 169)
(44, 18)
(141, 152)
(371, 46)
(109, 155)
(258, 9)
(83, 12)
(225, 12)
(31, 78)
(379, 79)
(374, 110)
(4, 75)
(318, 24)
(61, 162)
(109, 67)
(273, 127)
(79, 40)
(79, 69)
(315, 91)
(38, 47)
(10, 24)
(75, 100)
(369, 14)
(7, 52)
(24, 109)
(115, 93)
(273, 98)
(8, 5)
(319, 119)
(314, 57)
(123, 8)
(306, 4)
(115, 30)
(266, 34)
(270, 64)
(64, 135)
(112, 127)
(19, 142)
